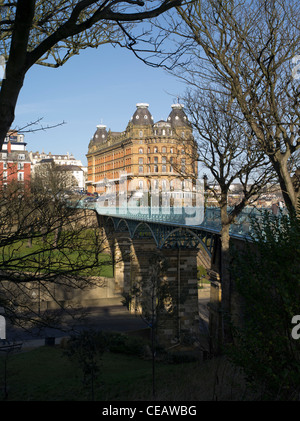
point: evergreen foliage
(267, 277)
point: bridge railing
(209, 218)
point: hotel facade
(161, 155)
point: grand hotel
(149, 153)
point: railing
(209, 219)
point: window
(163, 132)
(155, 168)
(20, 176)
(141, 161)
(141, 150)
(164, 160)
(4, 175)
(140, 168)
(141, 184)
(21, 156)
(155, 160)
(171, 150)
(20, 165)
(163, 168)
(149, 150)
(164, 149)
(183, 164)
(5, 165)
(155, 150)
(141, 133)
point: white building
(67, 161)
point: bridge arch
(183, 237)
(148, 226)
(122, 225)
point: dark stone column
(181, 277)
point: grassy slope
(45, 374)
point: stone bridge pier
(131, 255)
(132, 243)
(180, 317)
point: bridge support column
(181, 278)
(122, 250)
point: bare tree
(246, 50)
(227, 150)
(39, 266)
(52, 178)
(49, 33)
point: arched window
(141, 150)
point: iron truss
(164, 235)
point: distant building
(59, 159)
(67, 161)
(77, 172)
(15, 163)
(149, 153)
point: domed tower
(142, 121)
(142, 115)
(99, 138)
(177, 117)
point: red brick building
(15, 164)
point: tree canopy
(49, 32)
(247, 50)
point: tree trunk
(225, 274)
(16, 66)
(286, 184)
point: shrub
(125, 344)
(267, 277)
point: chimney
(9, 147)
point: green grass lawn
(44, 256)
(46, 374)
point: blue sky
(100, 86)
